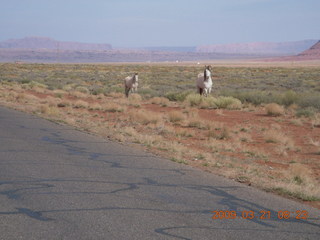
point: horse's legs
(200, 91)
(127, 90)
(205, 92)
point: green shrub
(254, 97)
(98, 91)
(33, 84)
(290, 97)
(310, 101)
(306, 112)
(177, 96)
(194, 100)
(82, 89)
(227, 103)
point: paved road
(59, 183)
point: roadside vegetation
(261, 126)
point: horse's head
(135, 77)
(207, 73)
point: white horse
(131, 84)
(204, 82)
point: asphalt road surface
(59, 183)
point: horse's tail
(201, 91)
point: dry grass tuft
(316, 144)
(80, 104)
(274, 136)
(135, 97)
(83, 89)
(49, 110)
(116, 95)
(299, 183)
(315, 122)
(78, 94)
(95, 106)
(176, 116)
(221, 134)
(113, 107)
(274, 109)
(145, 117)
(164, 102)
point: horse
(131, 84)
(204, 81)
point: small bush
(298, 180)
(274, 109)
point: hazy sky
(136, 23)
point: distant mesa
(311, 53)
(260, 48)
(51, 44)
(44, 49)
